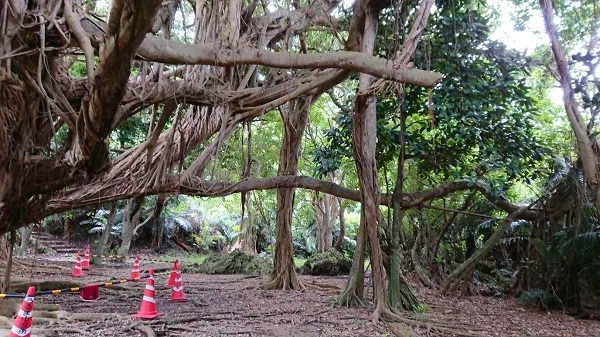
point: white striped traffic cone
(77, 272)
(148, 308)
(22, 325)
(135, 270)
(177, 293)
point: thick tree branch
(160, 50)
(120, 188)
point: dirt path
(226, 305)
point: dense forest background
(455, 141)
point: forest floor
(230, 305)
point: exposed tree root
(143, 328)
(349, 299)
(288, 281)
(392, 317)
(322, 286)
(21, 284)
(46, 268)
(401, 330)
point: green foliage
(422, 308)
(481, 118)
(541, 299)
(479, 122)
(329, 263)
(236, 262)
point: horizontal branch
(119, 189)
(171, 52)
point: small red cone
(148, 308)
(22, 325)
(177, 293)
(171, 282)
(135, 270)
(77, 272)
(85, 263)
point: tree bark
(326, 209)
(131, 217)
(9, 263)
(364, 135)
(101, 246)
(342, 234)
(25, 234)
(587, 156)
(294, 118)
(157, 226)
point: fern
(541, 299)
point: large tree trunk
(340, 239)
(326, 212)
(294, 118)
(101, 246)
(364, 135)
(157, 225)
(25, 234)
(247, 239)
(131, 217)
(587, 156)
(9, 262)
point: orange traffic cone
(148, 308)
(77, 272)
(177, 293)
(135, 270)
(22, 325)
(85, 263)
(171, 282)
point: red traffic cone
(85, 263)
(148, 308)
(135, 270)
(22, 325)
(177, 293)
(171, 282)
(77, 272)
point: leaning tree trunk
(461, 273)
(585, 147)
(295, 118)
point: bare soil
(229, 305)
